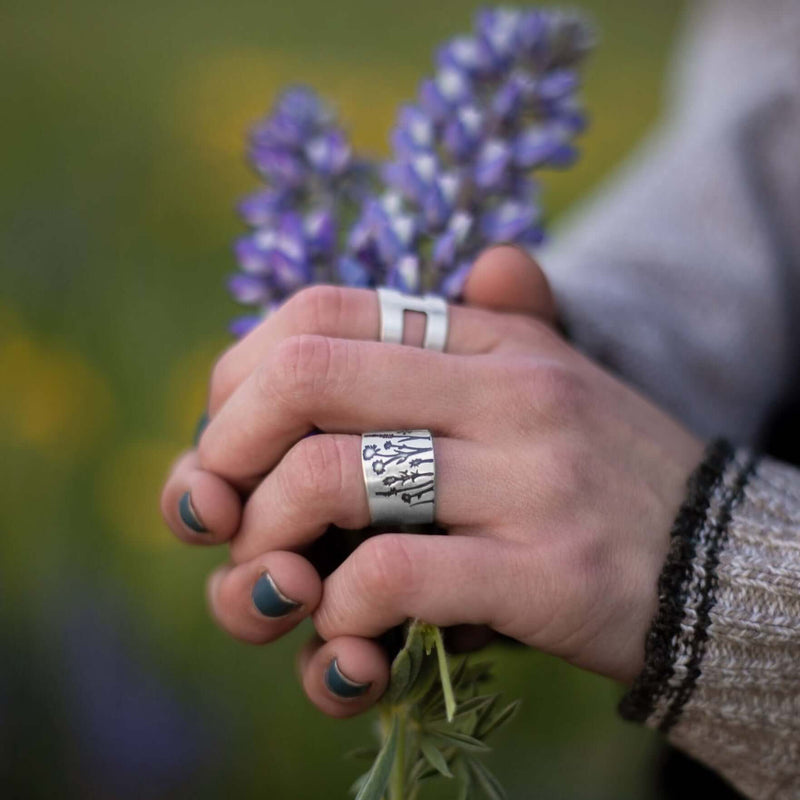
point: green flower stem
(444, 672)
(397, 781)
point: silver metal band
(392, 306)
(400, 476)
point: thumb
(506, 278)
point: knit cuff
(687, 589)
(721, 675)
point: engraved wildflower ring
(392, 306)
(399, 476)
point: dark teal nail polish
(202, 423)
(269, 599)
(340, 685)
(189, 515)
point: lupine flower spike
(314, 183)
(502, 104)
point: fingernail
(270, 600)
(342, 686)
(202, 423)
(189, 515)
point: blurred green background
(121, 159)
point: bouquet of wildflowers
(501, 105)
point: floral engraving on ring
(406, 461)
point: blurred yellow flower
(217, 98)
(56, 401)
(214, 100)
(128, 492)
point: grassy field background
(121, 159)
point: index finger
(347, 313)
(339, 386)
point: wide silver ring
(393, 304)
(400, 476)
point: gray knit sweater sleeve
(683, 273)
(722, 674)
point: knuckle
(313, 471)
(557, 390)
(573, 468)
(536, 395)
(386, 569)
(569, 475)
(301, 368)
(317, 309)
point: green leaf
(432, 705)
(377, 780)
(464, 778)
(421, 771)
(356, 785)
(424, 680)
(480, 672)
(406, 667)
(500, 718)
(400, 680)
(458, 672)
(462, 741)
(416, 634)
(474, 704)
(434, 756)
(490, 786)
(487, 713)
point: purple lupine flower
(249, 290)
(262, 207)
(492, 165)
(500, 30)
(446, 247)
(414, 132)
(440, 95)
(405, 274)
(463, 132)
(313, 177)
(512, 221)
(466, 54)
(546, 144)
(319, 231)
(328, 153)
(502, 103)
(453, 283)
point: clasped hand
(557, 485)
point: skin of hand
(557, 483)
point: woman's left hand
(557, 483)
